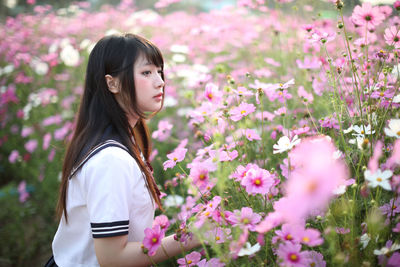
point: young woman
(107, 193)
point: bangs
(153, 55)
(148, 50)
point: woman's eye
(160, 71)
(146, 72)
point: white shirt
(108, 196)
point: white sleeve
(110, 177)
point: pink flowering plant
(279, 142)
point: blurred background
(44, 45)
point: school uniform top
(107, 197)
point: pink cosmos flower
(163, 131)
(31, 145)
(315, 259)
(23, 194)
(46, 141)
(212, 93)
(394, 158)
(308, 97)
(310, 237)
(241, 111)
(162, 221)
(213, 262)
(245, 218)
(199, 173)
(152, 239)
(309, 63)
(189, 260)
(373, 163)
(228, 155)
(177, 156)
(258, 181)
(392, 36)
(286, 234)
(394, 260)
(13, 156)
(219, 235)
(391, 208)
(367, 15)
(251, 134)
(291, 255)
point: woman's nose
(159, 82)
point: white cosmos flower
(386, 250)
(173, 201)
(249, 250)
(364, 239)
(362, 130)
(70, 56)
(379, 178)
(348, 129)
(396, 99)
(183, 49)
(285, 144)
(179, 58)
(40, 67)
(394, 128)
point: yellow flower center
(243, 111)
(293, 257)
(311, 187)
(154, 239)
(306, 239)
(202, 176)
(379, 179)
(381, 94)
(217, 238)
(398, 133)
(245, 221)
(175, 159)
(210, 95)
(257, 182)
(312, 264)
(288, 237)
(189, 261)
(362, 132)
(207, 213)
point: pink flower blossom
(394, 260)
(315, 259)
(163, 131)
(257, 181)
(23, 194)
(152, 239)
(373, 163)
(177, 156)
(310, 237)
(245, 218)
(212, 93)
(190, 259)
(162, 221)
(199, 173)
(228, 155)
(392, 36)
(31, 145)
(291, 255)
(367, 15)
(14, 155)
(308, 97)
(394, 158)
(218, 235)
(308, 63)
(213, 262)
(286, 234)
(46, 141)
(251, 134)
(241, 111)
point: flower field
(278, 143)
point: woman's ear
(113, 84)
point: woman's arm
(117, 251)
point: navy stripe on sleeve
(109, 229)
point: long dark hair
(113, 55)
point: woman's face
(149, 85)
